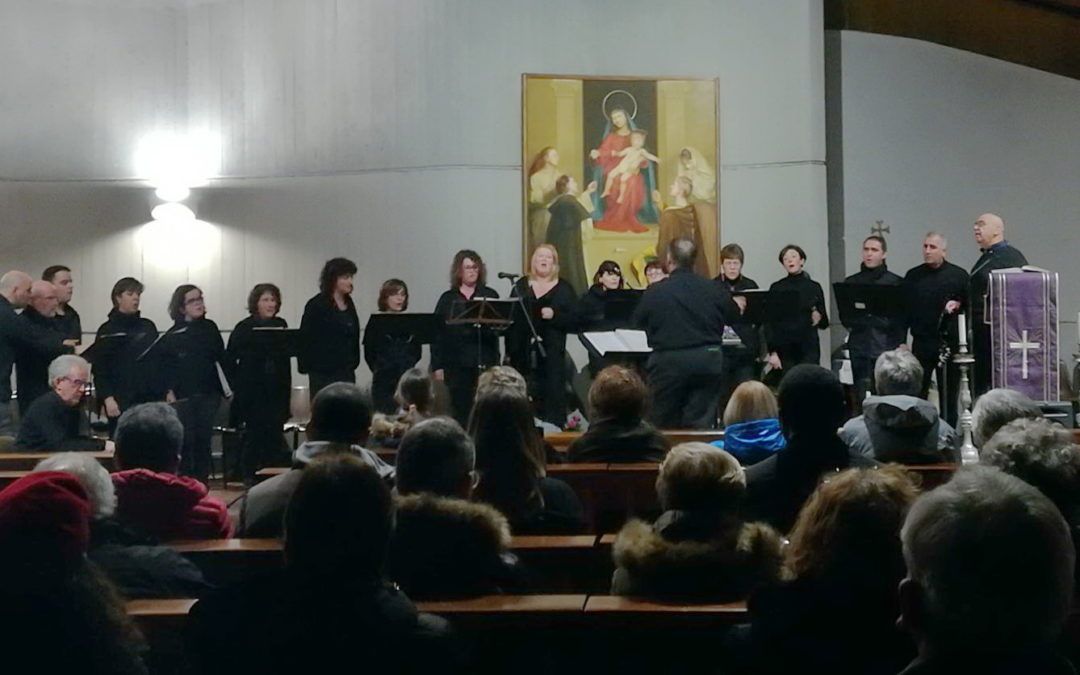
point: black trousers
(197, 413)
(926, 351)
(547, 386)
(862, 371)
(384, 383)
(739, 366)
(319, 381)
(461, 383)
(686, 386)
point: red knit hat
(48, 512)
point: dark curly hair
(334, 269)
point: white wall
(387, 131)
(933, 137)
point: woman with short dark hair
(125, 372)
(388, 354)
(261, 375)
(461, 350)
(193, 351)
(593, 313)
(794, 339)
(330, 329)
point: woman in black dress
(126, 370)
(460, 351)
(193, 350)
(330, 329)
(261, 376)
(389, 355)
(551, 303)
(592, 312)
(794, 340)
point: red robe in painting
(620, 217)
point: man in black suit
(996, 254)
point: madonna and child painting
(615, 168)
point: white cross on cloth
(1024, 346)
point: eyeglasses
(76, 381)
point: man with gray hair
(897, 425)
(53, 421)
(937, 291)
(16, 336)
(989, 577)
(995, 409)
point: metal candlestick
(964, 360)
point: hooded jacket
(695, 555)
(750, 442)
(903, 429)
(443, 546)
(260, 510)
(166, 506)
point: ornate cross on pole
(880, 230)
(1024, 346)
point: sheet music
(620, 340)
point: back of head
(149, 436)
(415, 388)
(682, 253)
(751, 400)
(501, 376)
(1040, 453)
(436, 456)
(44, 525)
(618, 393)
(995, 409)
(811, 401)
(849, 528)
(340, 413)
(700, 477)
(338, 521)
(990, 565)
(93, 477)
(509, 453)
(898, 372)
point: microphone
(508, 275)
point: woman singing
(261, 378)
(551, 304)
(126, 371)
(330, 329)
(592, 309)
(192, 350)
(389, 355)
(794, 340)
(461, 351)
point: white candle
(962, 320)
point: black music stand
(480, 313)
(396, 325)
(619, 305)
(764, 306)
(855, 302)
(275, 341)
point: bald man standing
(32, 365)
(997, 254)
(17, 335)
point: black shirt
(192, 351)
(330, 337)
(685, 311)
(930, 289)
(871, 334)
(797, 328)
(32, 365)
(69, 323)
(50, 425)
(455, 345)
(260, 376)
(123, 368)
(562, 300)
(746, 331)
(17, 336)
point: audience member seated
(699, 549)
(505, 376)
(61, 613)
(897, 425)
(138, 565)
(617, 431)
(1042, 454)
(751, 424)
(329, 606)
(995, 409)
(415, 397)
(835, 610)
(444, 545)
(150, 497)
(340, 419)
(989, 577)
(52, 422)
(510, 461)
(811, 411)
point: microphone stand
(535, 339)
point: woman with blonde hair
(551, 306)
(752, 424)
(700, 548)
(835, 611)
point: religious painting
(614, 168)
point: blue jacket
(750, 442)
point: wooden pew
(25, 461)
(616, 612)
(9, 477)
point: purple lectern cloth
(1023, 307)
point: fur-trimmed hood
(444, 546)
(692, 554)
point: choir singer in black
(592, 310)
(550, 303)
(938, 290)
(330, 329)
(740, 360)
(261, 377)
(388, 355)
(794, 339)
(684, 318)
(460, 351)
